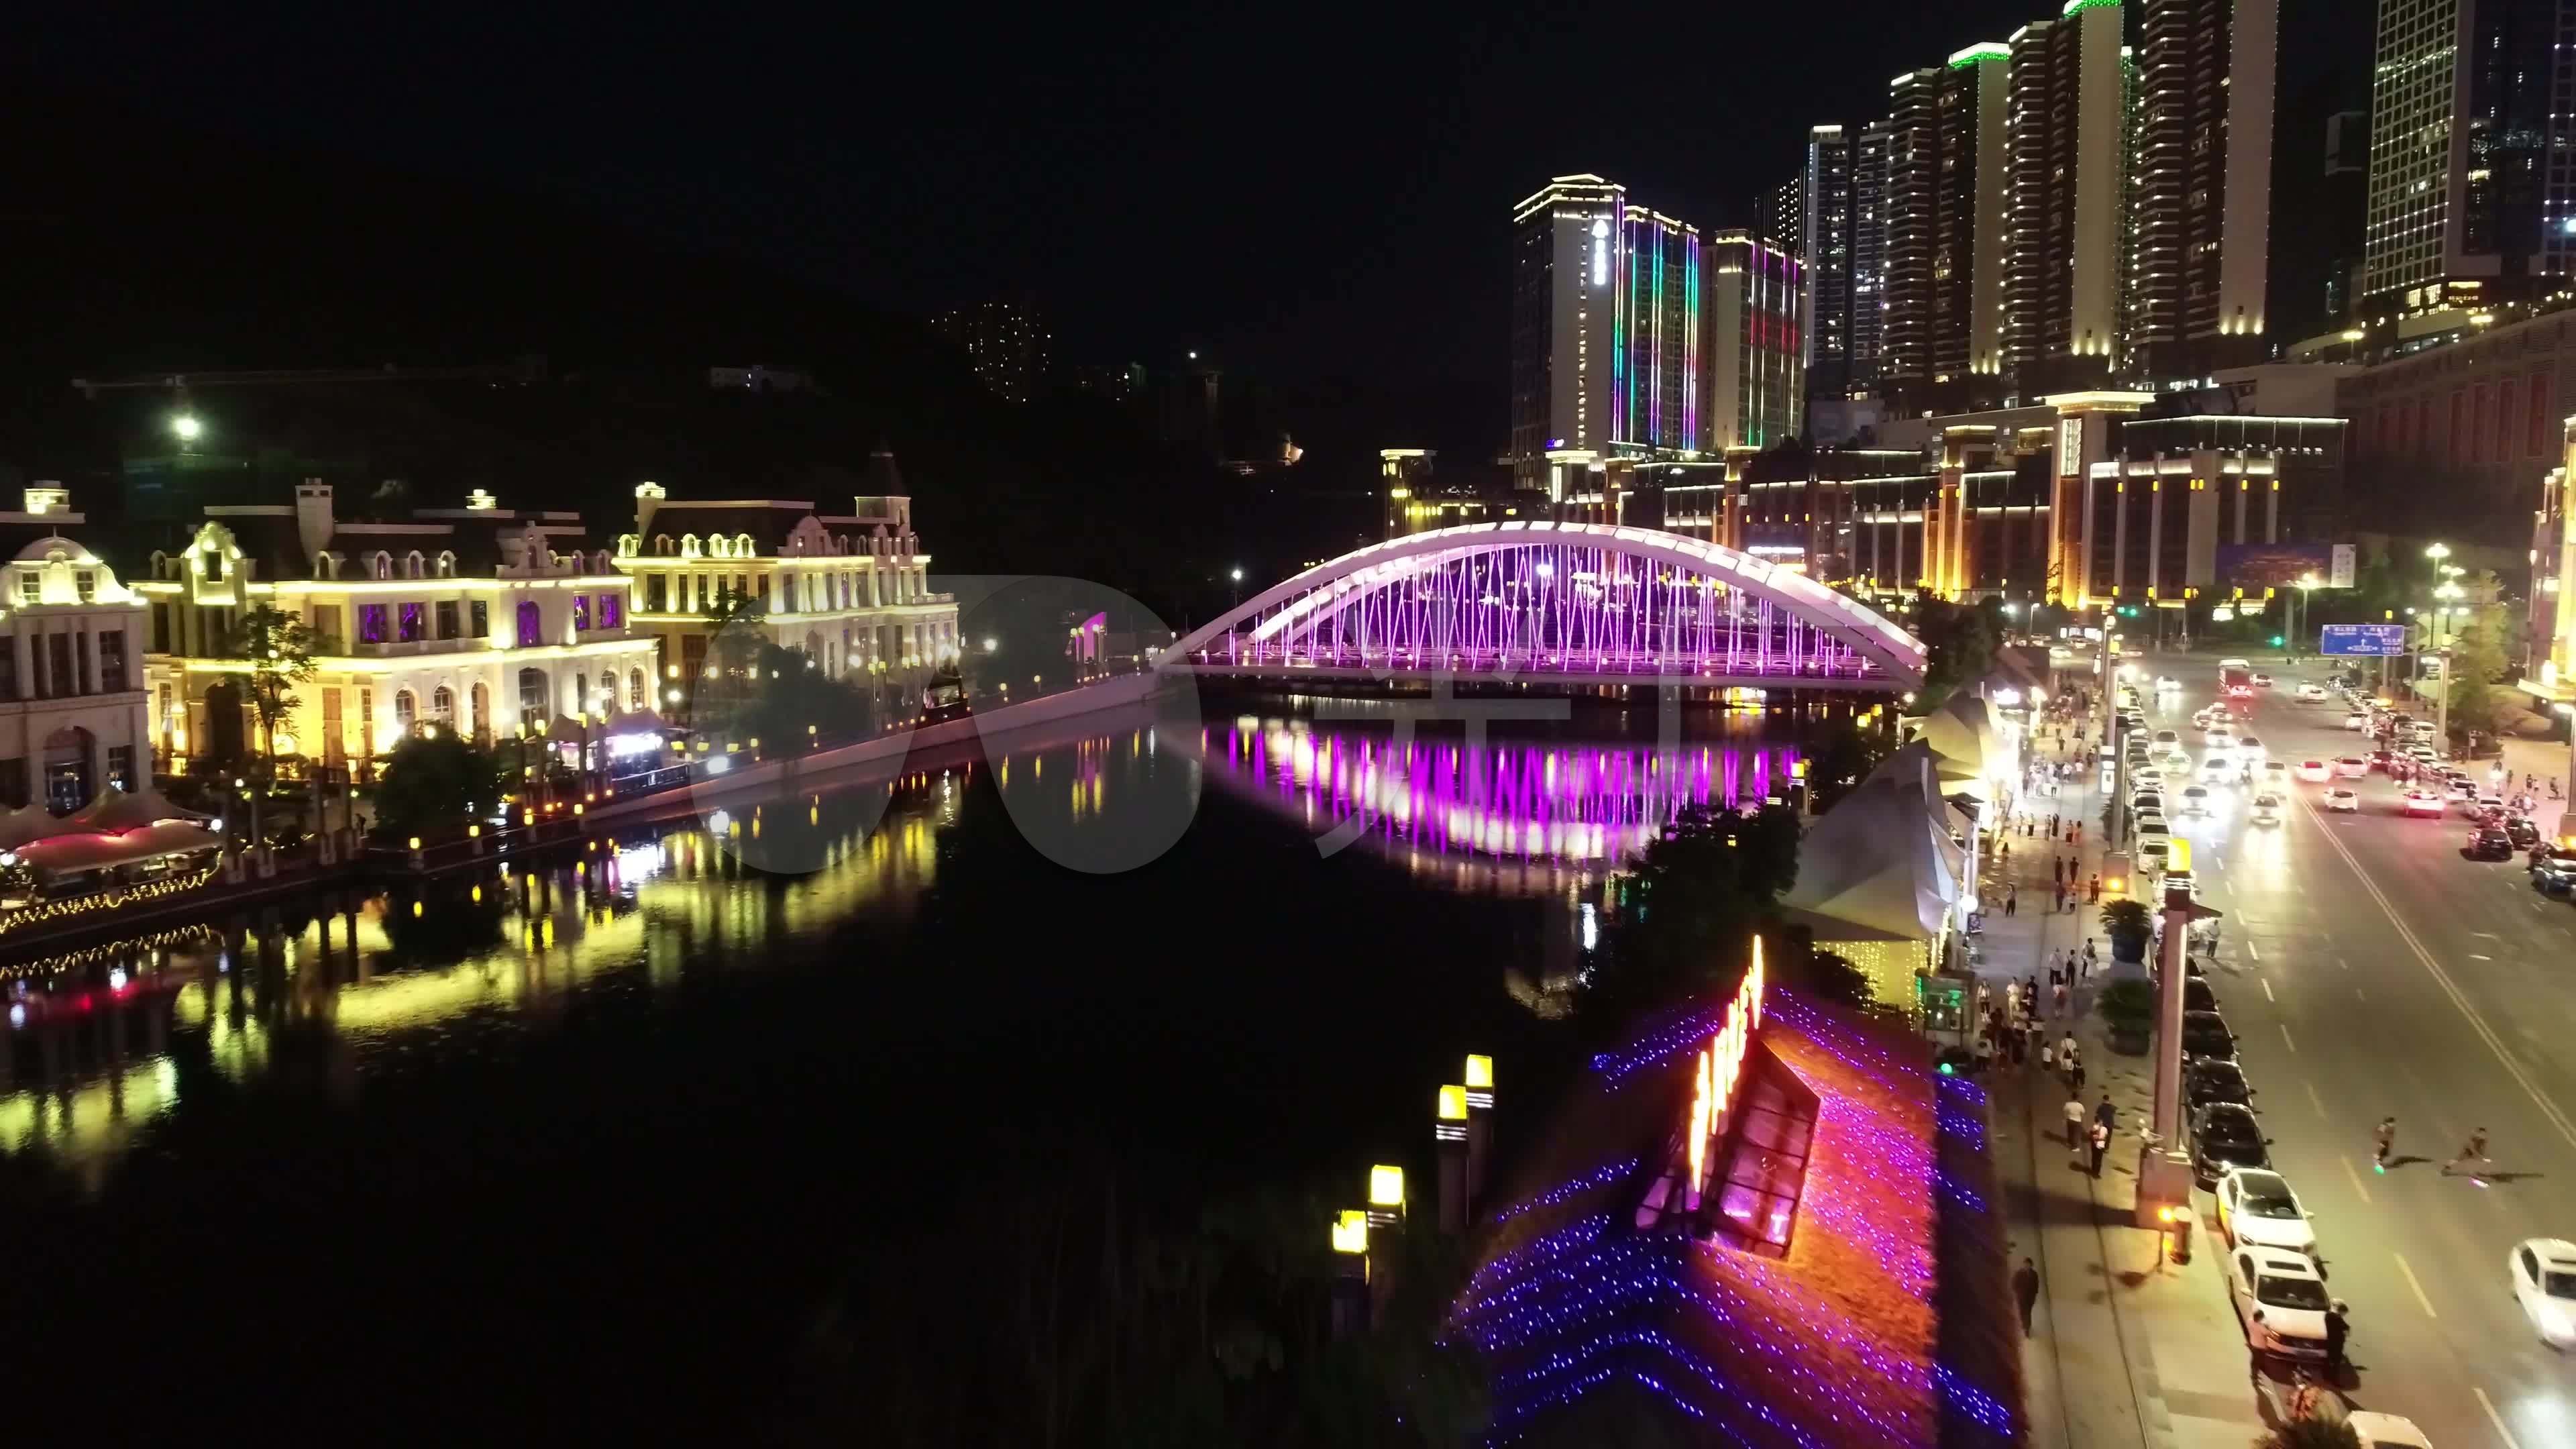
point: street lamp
(186, 427)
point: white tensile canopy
(1881, 864)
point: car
(2267, 809)
(2218, 770)
(2488, 842)
(2543, 1271)
(2249, 750)
(2224, 1136)
(2218, 736)
(2168, 740)
(2315, 772)
(2195, 800)
(2355, 719)
(2167, 684)
(2421, 801)
(2488, 805)
(2152, 822)
(2282, 1301)
(2207, 1082)
(2153, 852)
(2521, 832)
(2341, 799)
(2351, 767)
(2205, 1034)
(2310, 691)
(2555, 873)
(2380, 761)
(2276, 772)
(2386, 1431)
(2257, 1208)
(2263, 681)
(2196, 995)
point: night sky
(1313, 195)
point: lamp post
(2447, 596)
(2306, 599)
(2164, 1172)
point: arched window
(446, 564)
(381, 566)
(532, 625)
(581, 694)
(662, 544)
(533, 701)
(689, 545)
(442, 706)
(411, 564)
(482, 697)
(160, 564)
(635, 689)
(742, 545)
(406, 712)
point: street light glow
(187, 427)
(1238, 576)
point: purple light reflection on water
(1507, 799)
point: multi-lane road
(2368, 970)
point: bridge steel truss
(1556, 602)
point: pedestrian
(2076, 835)
(2101, 1144)
(2058, 904)
(2012, 900)
(2019, 1041)
(2075, 1074)
(2095, 897)
(2385, 1134)
(2074, 1122)
(2338, 1328)
(2106, 1115)
(2060, 990)
(2052, 827)
(2056, 870)
(2026, 1290)
(2474, 1150)
(2047, 1056)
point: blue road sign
(2370, 641)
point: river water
(583, 1134)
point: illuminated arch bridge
(1573, 603)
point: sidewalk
(2126, 1349)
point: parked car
(2196, 995)
(2207, 1082)
(2224, 1137)
(2386, 1431)
(2282, 1301)
(2554, 873)
(2256, 1207)
(2355, 719)
(2521, 832)
(2205, 1034)
(2488, 842)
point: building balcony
(404, 648)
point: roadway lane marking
(2253, 950)
(2410, 1281)
(2285, 1037)
(2364, 995)
(2267, 991)
(2339, 961)
(2474, 956)
(2495, 1418)
(2313, 1099)
(2450, 988)
(2350, 1171)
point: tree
(1960, 642)
(2477, 662)
(1841, 762)
(1689, 908)
(279, 647)
(736, 617)
(781, 694)
(437, 783)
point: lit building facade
(1757, 350)
(1417, 500)
(1005, 345)
(2207, 73)
(1868, 259)
(2066, 134)
(73, 716)
(1947, 218)
(486, 622)
(1606, 328)
(1829, 214)
(852, 591)
(2482, 414)
(2472, 190)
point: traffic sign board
(2370, 641)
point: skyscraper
(2206, 73)
(2467, 97)
(1868, 257)
(2066, 135)
(1945, 231)
(1784, 216)
(1005, 344)
(1827, 219)
(1606, 328)
(1756, 342)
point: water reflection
(1578, 805)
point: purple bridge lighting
(1569, 603)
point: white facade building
(72, 712)
(488, 623)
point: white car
(2343, 800)
(2167, 684)
(2218, 769)
(2280, 1299)
(2257, 1209)
(2423, 802)
(2168, 740)
(2544, 1283)
(2219, 736)
(2352, 767)
(2250, 751)
(2262, 681)
(2355, 719)
(2484, 804)
(2312, 691)
(2152, 822)
(2195, 800)
(2267, 809)
(2386, 1431)
(2276, 774)
(2315, 772)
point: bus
(2236, 678)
